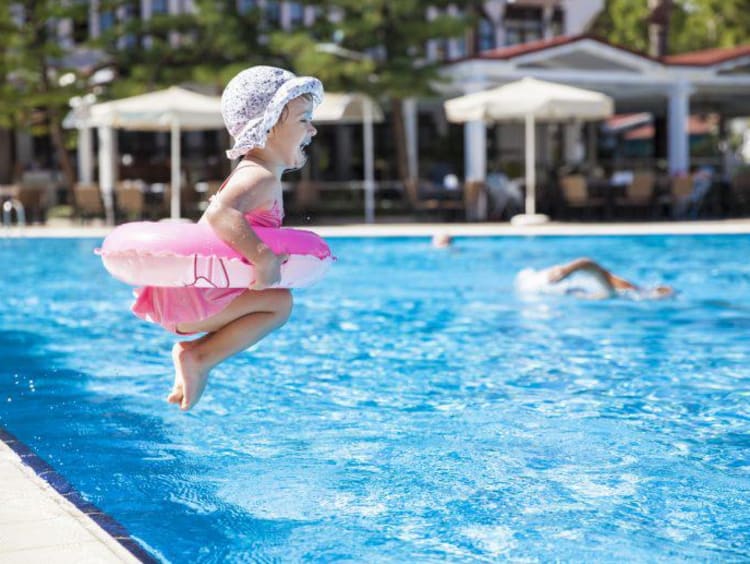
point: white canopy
(176, 109)
(173, 109)
(157, 111)
(530, 100)
(346, 108)
(545, 101)
(349, 109)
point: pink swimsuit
(171, 306)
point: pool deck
(485, 229)
(39, 524)
(42, 521)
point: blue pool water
(413, 408)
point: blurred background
(80, 143)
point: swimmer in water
(585, 279)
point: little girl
(268, 111)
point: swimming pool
(413, 408)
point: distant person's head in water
(584, 278)
(442, 240)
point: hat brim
(255, 134)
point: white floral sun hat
(254, 99)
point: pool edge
(43, 470)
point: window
(296, 14)
(244, 6)
(523, 24)
(106, 21)
(485, 35)
(273, 14)
(159, 7)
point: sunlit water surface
(413, 408)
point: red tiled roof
(707, 57)
(530, 47)
(504, 53)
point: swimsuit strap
(235, 169)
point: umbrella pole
(175, 178)
(530, 166)
(369, 163)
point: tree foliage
(33, 60)
(694, 24)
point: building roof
(512, 51)
(705, 57)
(708, 57)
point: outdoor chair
(34, 202)
(206, 189)
(424, 198)
(639, 194)
(189, 201)
(678, 199)
(740, 193)
(306, 197)
(88, 201)
(475, 201)
(129, 195)
(575, 193)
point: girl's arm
(226, 218)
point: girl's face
(292, 134)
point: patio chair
(88, 201)
(740, 193)
(575, 193)
(306, 197)
(424, 198)
(475, 201)
(129, 195)
(640, 192)
(678, 199)
(34, 202)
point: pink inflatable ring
(190, 254)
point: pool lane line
(106, 522)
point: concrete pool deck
(40, 524)
(43, 519)
(485, 229)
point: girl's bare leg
(246, 320)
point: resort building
(666, 96)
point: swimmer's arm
(586, 265)
(226, 218)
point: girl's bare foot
(189, 377)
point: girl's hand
(267, 267)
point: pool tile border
(61, 485)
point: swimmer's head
(663, 291)
(656, 293)
(442, 240)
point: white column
(412, 143)
(107, 170)
(475, 150)
(678, 148)
(85, 157)
(174, 207)
(368, 146)
(592, 142)
(530, 166)
(572, 142)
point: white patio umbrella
(174, 109)
(530, 100)
(355, 108)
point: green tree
(694, 24)
(33, 61)
(206, 47)
(380, 50)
